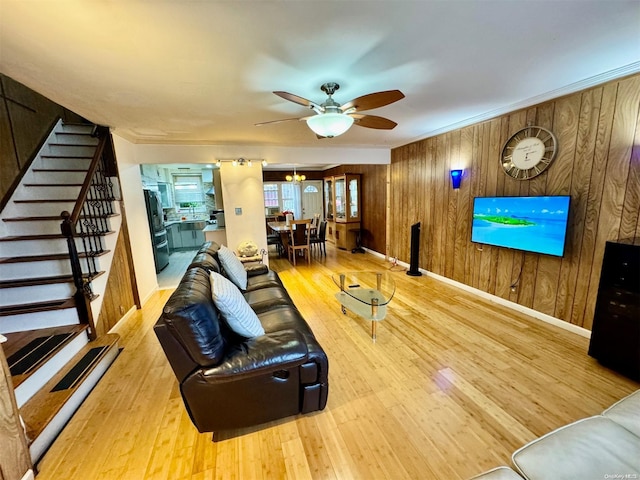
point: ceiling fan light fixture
(330, 124)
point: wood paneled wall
(598, 164)
(120, 294)
(373, 186)
(25, 119)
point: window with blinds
(271, 195)
(188, 190)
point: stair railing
(88, 222)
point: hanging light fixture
(295, 178)
(330, 124)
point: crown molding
(596, 80)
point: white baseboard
(28, 475)
(501, 301)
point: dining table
(282, 228)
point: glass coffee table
(366, 294)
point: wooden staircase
(54, 357)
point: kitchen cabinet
(166, 194)
(191, 234)
(174, 238)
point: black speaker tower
(415, 251)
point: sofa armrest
(274, 351)
(256, 269)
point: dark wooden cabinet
(615, 336)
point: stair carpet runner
(52, 362)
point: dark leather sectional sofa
(230, 382)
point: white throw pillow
(233, 266)
(234, 308)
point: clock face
(528, 153)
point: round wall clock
(528, 153)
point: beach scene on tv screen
(536, 224)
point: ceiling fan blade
(373, 100)
(279, 121)
(295, 99)
(373, 121)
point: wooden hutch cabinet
(342, 210)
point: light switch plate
(238, 210)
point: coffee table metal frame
(365, 300)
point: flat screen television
(532, 224)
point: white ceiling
(202, 72)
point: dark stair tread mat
(35, 352)
(79, 369)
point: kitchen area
(184, 209)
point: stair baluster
(88, 221)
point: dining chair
(273, 238)
(299, 239)
(315, 221)
(320, 238)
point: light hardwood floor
(452, 387)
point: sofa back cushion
(191, 316)
(207, 261)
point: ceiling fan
(332, 119)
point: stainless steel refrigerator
(156, 226)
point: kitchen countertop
(173, 222)
(212, 228)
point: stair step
(46, 413)
(74, 157)
(60, 144)
(73, 128)
(28, 282)
(51, 236)
(49, 170)
(52, 217)
(53, 256)
(20, 309)
(35, 348)
(52, 184)
(59, 200)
